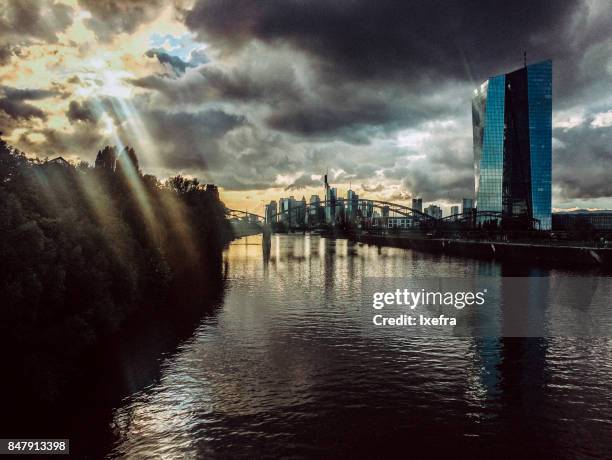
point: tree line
(83, 247)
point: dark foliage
(83, 248)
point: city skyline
(262, 100)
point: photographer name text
(421, 298)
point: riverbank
(503, 251)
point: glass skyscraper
(512, 123)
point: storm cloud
(112, 17)
(375, 69)
(14, 102)
(386, 39)
(267, 95)
(80, 112)
(27, 20)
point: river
(285, 367)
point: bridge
(245, 223)
(341, 210)
(243, 215)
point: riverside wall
(557, 254)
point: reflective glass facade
(512, 118)
(490, 154)
(539, 77)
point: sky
(263, 98)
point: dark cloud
(305, 180)
(373, 189)
(26, 94)
(231, 183)
(80, 112)
(6, 52)
(190, 139)
(13, 102)
(438, 184)
(81, 142)
(112, 17)
(355, 113)
(26, 20)
(198, 57)
(397, 54)
(174, 63)
(20, 110)
(399, 196)
(210, 83)
(581, 164)
(386, 39)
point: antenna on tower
(525, 58)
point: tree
(78, 259)
(107, 158)
(127, 162)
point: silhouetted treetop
(107, 158)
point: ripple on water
(287, 368)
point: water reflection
(288, 368)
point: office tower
(434, 211)
(293, 211)
(454, 210)
(417, 204)
(330, 205)
(340, 208)
(301, 212)
(352, 205)
(284, 208)
(314, 210)
(512, 129)
(271, 211)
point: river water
(285, 367)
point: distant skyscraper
(271, 211)
(454, 210)
(352, 205)
(301, 212)
(417, 204)
(512, 124)
(330, 205)
(293, 211)
(434, 211)
(370, 209)
(314, 211)
(467, 204)
(283, 209)
(367, 209)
